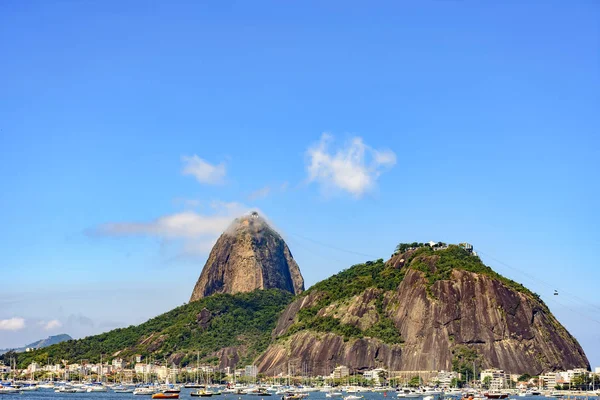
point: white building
(142, 368)
(118, 363)
(33, 367)
(73, 367)
(548, 380)
(52, 368)
(251, 371)
(498, 378)
(566, 377)
(4, 369)
(374, 375)
(445, 378)
(239, 372)
(597, 370)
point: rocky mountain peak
(249, 255)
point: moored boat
(162, 395)
(201, 393)
(9, 390)
(492, 395)
(143, 391)
(353, 397)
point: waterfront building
(374, 375)
(118, 364)
(341, 372)
(251, 371)
(73, 367)
(4, 369)
(445, 378)
(548, 380)
(498, 378)
(53, 368)
(33, 367)
(142, 368)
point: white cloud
(353, 168)
(203, 171)
(198, 231)
(12, 324)
(52, 324)
(260, 193)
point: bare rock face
(502, 326)
(204, 318)
(250, 255)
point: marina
(108, 392)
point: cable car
(556, 292)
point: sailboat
(195, 385)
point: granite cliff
(249, 255)
(425, 309)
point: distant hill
(49, 341)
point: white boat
(333, 394)
(353, 397)
(66, 389)
(408, 393)
(29, 388)
(95, 388)
(122, 389)
(144, 391)
(46, 385)
(9, 390)
(382, 389)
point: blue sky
(131, 133)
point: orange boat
(165, 396)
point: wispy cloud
(50, 325)
(203, 171)
(353, 167)
(198, 231)
(260, 193)
(12, 324)
(80, 319)
(53, 324)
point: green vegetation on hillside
(356, 279)
(245, 318)
(437, 265)
(463, 360)
(344, 285)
